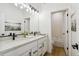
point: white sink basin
(23, 38)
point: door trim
(69, 26)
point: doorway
(59, 29)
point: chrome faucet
(14, 36)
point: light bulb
(21, 7)
(37, 13)
(27, 10)
(32, 11)
(24, 5)
(15, 4)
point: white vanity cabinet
(37, 47)
(21, 50)
(42, 46)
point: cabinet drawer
(44, 50)
(40, 47)
(34, 51)
(27, 53)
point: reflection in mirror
(26, 25)
(12, 26)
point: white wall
(75, 35)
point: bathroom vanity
(29, 46)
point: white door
(57, 28)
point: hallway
(57, 51)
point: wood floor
(57, 51)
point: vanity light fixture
(29, 8)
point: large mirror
(22, 18)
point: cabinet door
(20, 50)
(44, 50)
(27, 53)
(40, 47)
(34, 51)
(16, 51)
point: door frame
(69, 26)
